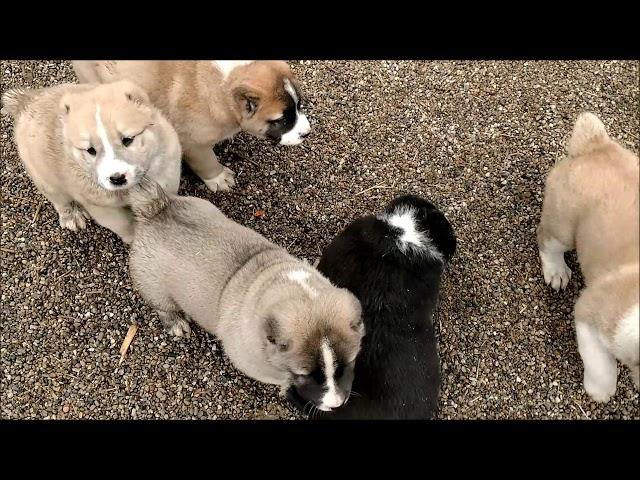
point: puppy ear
(134, 93)
(274, 335)
(64, 107)
(357, 325)
(247, 99)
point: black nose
(118, 179)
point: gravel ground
(476, 137)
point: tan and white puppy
(209, 101)
(591, 204)
(279, 320)
(85, 146)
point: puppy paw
(74, 218)
(222, 182)
(556, 273)
(598, 394)
(180, 328)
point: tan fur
(591, 204)
(204, 106)
(54, 127)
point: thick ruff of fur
(210, 101)
(591, 204)
(393, 263)
(85, 146)
(279, 320)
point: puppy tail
(15, 100)
(588, 135)
(147, 199)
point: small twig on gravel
(62, 276)
(8, 250)
(371, 188)
(37, 214)
(127, 341)
(580, 407)
(244, 158)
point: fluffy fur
(393, 263)
(209, 101)
(279, 320)
(591, 204)
(85, 146)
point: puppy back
(589, 134)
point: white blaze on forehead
(404, 219)
(301, 277)
(301, 127)
(110, 165)
(288, 86)
(331, 399)
(227, 66)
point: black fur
(397, 373)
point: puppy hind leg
(600, 367)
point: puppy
(591, 204)
(85, 146)
(393, 263)
(279, 320)
(209, 101)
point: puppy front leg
(555, 271)
(71, 215)
(205, 164)
(175, 323)
(117, 219)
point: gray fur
(188, 260)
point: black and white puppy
(393, 263)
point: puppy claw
(556, 275)
(180, 329)
(75, 219)
(222, 182)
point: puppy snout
(118, 179)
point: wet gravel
(475, 137)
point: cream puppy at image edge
(210, 101)
(591, 204)
(85, 146)
(279, 320)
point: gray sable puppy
(279, 320)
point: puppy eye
(339, 371)
(277, 120)
(126, 141)
(91, 151)
(318, 376)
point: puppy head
(313, 331)
(420, 227)
(268, 99)
(111, 132)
